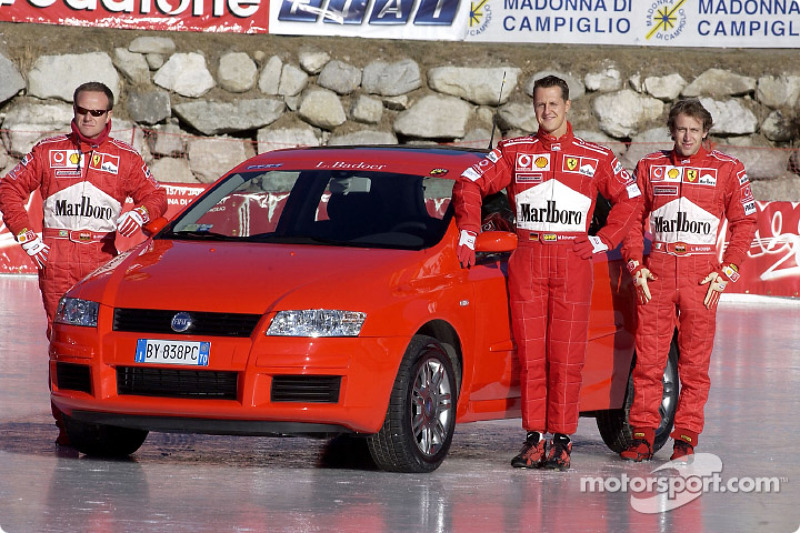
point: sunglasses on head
(94, 112)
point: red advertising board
(239, 16)
(772, 269)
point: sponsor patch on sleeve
(749, 208)
(743, 177)
(471, 174)
(633, 191)
(746, 194)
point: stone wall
(196, 113)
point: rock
(152, 45)
(779, 91)
(607, 80)
(517, 116)
(237, 72)
(166, 140)
(59, 76)
(25, 124)
(339, 77)
(366, 109)
(731, 117)
(779, 127)
(623, 113)
(647, 142)
(477, 85)
(312, 60)
(293, 81)
(11, 81)
(665, 88)
(760, 162)
(434, 117)
(718, 83)
(133, 66)
(148, 107)
(362, 137)
(210, 158)
(172, 170)
(322, 108)
(279, 139)
(785, 188)
(391, 79)
(185, 74)
(619, 148)
(212, 118)
(270, 78)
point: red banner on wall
(240, 16)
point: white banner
(433, 20)
(685, 23)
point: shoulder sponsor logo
(526, 177)
(747, 194)
(633, 191)
(665, 190)
(471, 174)
(749, 208)
(64, 158)
(531, 162)
(743, 177)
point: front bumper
(255, 385)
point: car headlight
(77, 312)
(317, 323)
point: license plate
(172, 352)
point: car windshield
(331, 207)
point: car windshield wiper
(204, 235)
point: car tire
(613, 424)
(101, 440)
(420, 420)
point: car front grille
(70, 376)
(307, 389)
(200, 384)
(212, 324)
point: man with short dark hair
(552, 179)
(84, 179)
(688, 193)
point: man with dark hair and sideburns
(553, 179)
(84, 178)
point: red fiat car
(317, 292)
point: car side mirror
(496, 241)
(154, 226)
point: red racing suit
(83, 187)
(686, 200)
(552, 186)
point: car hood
(254, 278)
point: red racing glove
(588, 245)
(130, 222)
(33, 245)
(641, 274)
(466, 248)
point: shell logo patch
(64, 158)
(532, 162)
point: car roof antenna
(494, 122)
